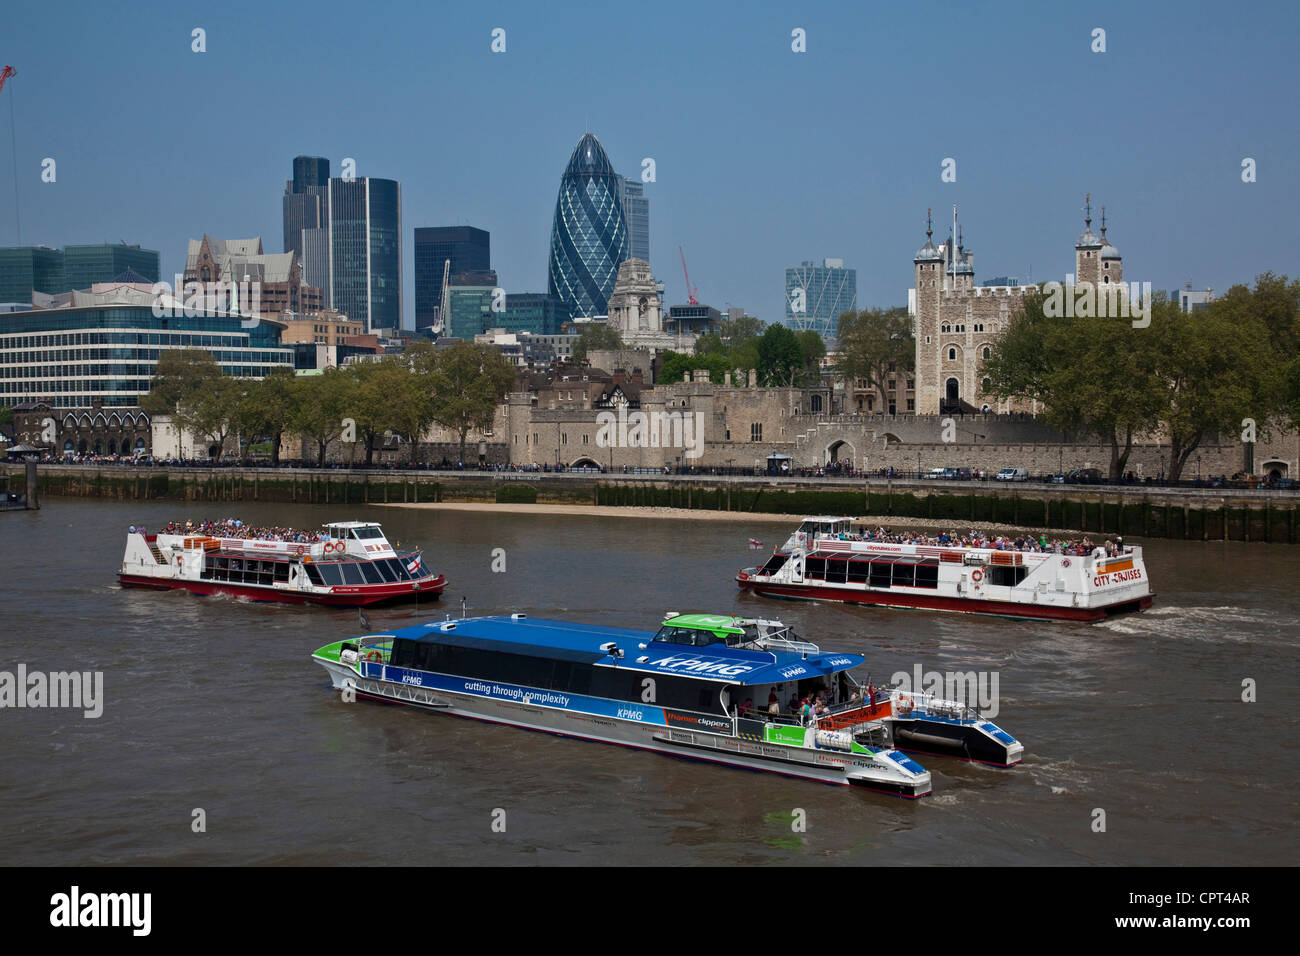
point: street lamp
(918, 465)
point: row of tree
(458, 387)
(1232, 367)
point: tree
(677, 366)
(322, 402)
(813, 348)
(1094, 375)
(268, 408)
(596, 335)
(780, 357)
(412, 394)
(468, 381)
(213, 413)
(181, 377)
(374, 392)
(873, 344)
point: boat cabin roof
(351, 524)
(633, 650)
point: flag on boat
(413, 566)
(755, 543)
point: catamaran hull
(963, 741)
(929, 602)
(339, 597)
(822, 766)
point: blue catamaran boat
(687, 690)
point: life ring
(301, 549)
(904, 706)
(374, 656)
(329, 546)
(977, 575)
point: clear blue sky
(765, 157)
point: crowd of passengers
(809, 709)
(234, 528)
(978, 539)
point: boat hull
(355, 596)
(823, 766)
(935, 602)
(962, 741)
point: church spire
(1087, 211)
(1103, 223)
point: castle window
(986, 352)
(756, 431)
(1105, 280)
(952, 355)
(945, 328)
(927, 340)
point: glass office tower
(469, 249)
(365, 223)
(589, 236)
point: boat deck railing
(931, 706)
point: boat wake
(1206, 624)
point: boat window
(836, 570)
(858, 571)
(904, 575)
(881, 574)
(313, 573)
(386, 569)
(351, 573)
(282, 571)
(367, 533)
(927, 575)
(399, 568)
(814, 568)
(687, 635)
(331, 573)
(371, 573)
(774, 563)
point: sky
(764, 157)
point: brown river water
(215, 704)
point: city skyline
(732, 182)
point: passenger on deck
(773, 702)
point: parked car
(1013, 474)
(962, 474)
(1056, 479)
(1084, 476)
(935, 474)
(949, 474)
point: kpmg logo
(697, 665)
(638, 429)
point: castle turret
(1087, 251)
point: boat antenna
(463, 606)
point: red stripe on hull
(363, 597)
(1029, 612)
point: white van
(1012, 474)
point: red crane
(690, 291)
(5, 74)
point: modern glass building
(636, 209)
(469, 311)
(469, 249)
(306, 203)
(589, 236)
(77, 356)
(537, 312)
(83, 266)
(816, 295)
(28, 269)
(365, 223)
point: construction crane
(690, 290)
(440, 325)
(7, 72)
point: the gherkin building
(589, 236)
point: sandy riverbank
(690, 514)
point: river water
(214, 704)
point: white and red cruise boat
(825, 560)
(347, 564)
